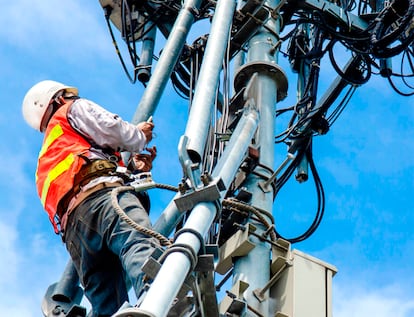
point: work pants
(106, 250)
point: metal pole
(255, 267)
(169, 218)
(147, 52)
(177, 264)
(205, 92)
(235, 151)
(167, 61)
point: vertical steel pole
(202, 105)
(255, 267)
(205, 92)
(147, 52)
(167, 61)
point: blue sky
(365, 163)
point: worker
(76, 171)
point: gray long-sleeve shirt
(104, 129)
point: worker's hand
(146, 127)
(143, 161)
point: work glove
(142, 162)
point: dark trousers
(106, 251)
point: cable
(392, 25)
(107, 11)
(351, 78)
(129, 37)
(398, 90)
(250, 209)
(320, 200)
(340, 108)
(407, 55)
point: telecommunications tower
(223, 254)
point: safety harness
(94, 169)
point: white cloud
(353, 300)
(21, 308)
(27, 268)
(368, 285)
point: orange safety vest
(59, 161)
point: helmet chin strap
(61, 98)
(46, 117)
(57, 98)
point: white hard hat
(37, 101)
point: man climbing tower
(76, 171)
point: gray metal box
(304, 288)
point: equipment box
(304, 288)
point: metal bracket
(280, 260)
(203, 276)
(351, 20)
(246, 72)
(142, 181)
(250, 17)
(55, 304)
(151, 266)
(205, 279)
(233, 303)
(238, 245)
(265, 185)
(281, 249)
(210, 192)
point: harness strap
(89, 171)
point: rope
(114, 198)
(168, 187)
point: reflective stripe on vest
(55, 173)
(56, 132)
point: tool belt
(93, 170)
(88, 172)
